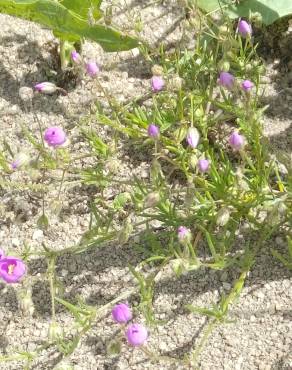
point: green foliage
(68, 19)
(268, 10)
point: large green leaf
(82, 7)
(270, 10)
(54, 15)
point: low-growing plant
(211, 178)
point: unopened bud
(157, 70)
(125, 232)
(223, 216)
(184, 235)
(46, 87)
(55, 332)
(152, 200)
(175, 83)
(25, 302)
(224, 66)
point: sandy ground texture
(260, 333)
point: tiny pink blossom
(12, 269)
(92, 69)
(244, 28)
(184, 234)
(203, 165)
(236, 141)
(136, 335)
(55, 136)
(153, 130)
(247, 85)
(76, 57)
(157, 83)
(121, 313)
(226, 80)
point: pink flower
(92, 69)
(236, 141)
(226, 80)
(193, 137)
(76, 57)
(184, 235)
(153, 130)
(121, 313)
(244, 28)
(136, 334)
(203, 165)
(247, 85)
(157, 83)
(55, 136)
(12, 269)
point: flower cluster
(12, 269)
(136, 334)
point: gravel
(259, 334)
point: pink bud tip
(236, 141)
(247, 85)
(92, 69)
(203, 165)
(226, 80)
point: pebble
(38, 234)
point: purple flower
(203, 165)
(55, 136)
(46, 87)
(226, 79)
(236, 141)
(157, 83)
(121, 313)
(184, 235)
(247, 85)
(76, 57)
(92, 69)
(193, 137)
(244, 28)
(136, 334)
(153, 130)
(12, 269)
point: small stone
(15, 242)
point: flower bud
(26, 303)
(153, 130)
(46, 87)
(184, 235)
(125, 232)
(236, 141)
(157, 83)
(152, 199)
(136, 335)
(193, 137)
(92, 69)
(244, 28)
(19, 161)
(226, 80)
(55, 332)
(203, 165)
(76, 57)
(175, 83)
(157, 70)
(122, 313)
(224, 65)
(223, 216)
(247, 85)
